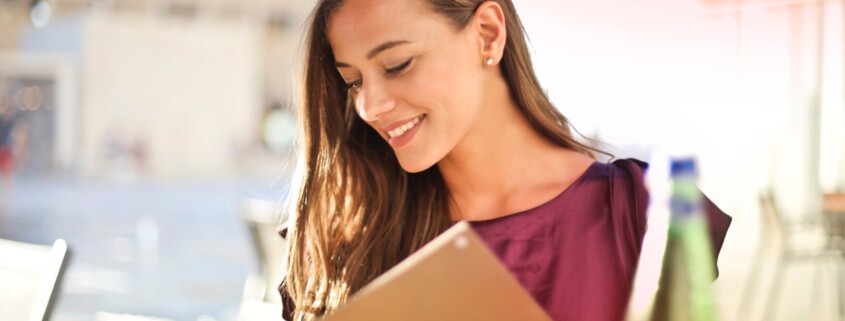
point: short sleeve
(718, 221)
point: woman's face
(413, 77)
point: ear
(489, 22)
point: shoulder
(624, 178)
(627, 198)
(619, 185)
(635, 167)
(621, 169)
(629, 175)
(624, 169)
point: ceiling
(176, 7)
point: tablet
(454, 277)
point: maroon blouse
(577, 253)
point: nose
(373, 101)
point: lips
(403, 133)
(401, 127)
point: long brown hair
(356, 213)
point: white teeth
(404, 128)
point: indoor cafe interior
(148, 147)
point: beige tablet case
(454, 277)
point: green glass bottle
(688, 266)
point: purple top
(577, 253)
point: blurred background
(154, 136)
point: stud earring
(490, 61)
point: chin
(414, 166)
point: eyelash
(390, 72)
(396, 70)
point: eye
(355, 85)
(398, 69)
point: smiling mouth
(401, 130)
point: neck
(500, 160)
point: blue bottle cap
(683, 166)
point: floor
(170, 250)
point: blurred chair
(261, 298)
(30, 276)
(787, 242)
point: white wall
(191, 89)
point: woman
(421, 113)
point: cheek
(445, 86)
(443, 95)
(459, 97)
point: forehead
(359, 25)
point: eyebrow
(375, 51)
